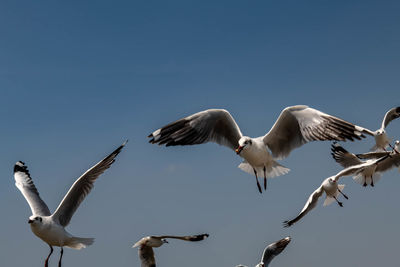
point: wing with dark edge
(24, 183)
(82, 187)
(212, 125)
(298, 125)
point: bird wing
(392, 114)
(185, 238)
(298, 125)
(146, 255)
(388, 163)
(82, 187)
(310, 204)
(344, 157)
(356, 169)
(372, 155)
(274, 249)
(212, 125)
(24, 183)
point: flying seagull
(50, 227)
(332, 189)
(372, 174)
(146, 245)
(271, 251)
(381, 138)
(296, 126)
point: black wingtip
(287, 224)
(199, 237)
(20, 167)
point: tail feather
(79, 242)
(361, 179)
(328, 201)
(271, 171)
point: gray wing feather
(389, 163)
(24, 183)
(185, 238)
(298, 125)
(356, 169)
(310, 204)
(274, 249)
(372, 155)
(146, 255)
(344, 157)
(82, 187)
(392, 114)
(212, 125)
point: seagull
(50, 227)
(146, 245)
(332, 189)
(296, 126)
(381, 138)
(372, 174)
(271, 251)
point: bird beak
(239, 149)
(30, 221)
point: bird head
(380, 131)
(244, 143)
(332, 181)
(35, 220)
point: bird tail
(328, 200)
(272, 171)
(361, 179)
(79, 242)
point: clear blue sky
(78, 78)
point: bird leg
(372, 181)
(62, 252)
(265, 179)
(340, 191)
(46, 263)
(340, 203)
(258, 184)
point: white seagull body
(296, 126)
(146, 245)
(51, 227)
(372, 174)
(271, 251)
(332, 189)
(382, 141)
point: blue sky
(78, 78)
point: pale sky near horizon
(78, 78)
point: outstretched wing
(274, 249)
(356, 169)
(310, 204)
(344, 157)
(392, 114)
(389, 163)
(186, 237)
(298, 125)
(212, 125)
(372, 155)
(81, 188)
(24, 183)
(146, 255)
